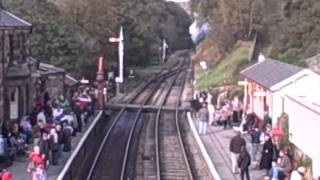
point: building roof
(8, 19)
(269, 72)
(70, 81)
(47, 69)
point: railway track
(172, 161)
(111, 159)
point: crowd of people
(49, 129)
(264, 149)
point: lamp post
(100, 84)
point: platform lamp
(100, 84)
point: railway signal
(120, 42)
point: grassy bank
(227, 69)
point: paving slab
(216, 143)
(19, 166)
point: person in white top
(41, 117)
(211, 111)
(57, 113)
(54, 146)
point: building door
(14, 94)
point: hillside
(287, 30)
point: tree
(298, 30)
(53, 40)
(231, 19)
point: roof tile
(270, 72)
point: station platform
(19, 165)
(215, 145)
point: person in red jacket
(6, 175)
(37, 159)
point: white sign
(259, 93)
(203, 65)
(13, 110)
(243, 83)
(113, 39)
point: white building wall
(276, 107)
(304, 125)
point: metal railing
(75, 166)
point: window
(15, 51)
(13, 96)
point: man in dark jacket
(244, 162)
(235, 148)
(255, 142)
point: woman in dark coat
(244, 162)
(267, 154)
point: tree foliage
(291, 27)
(236, 19)
(73, 34)
(145, 25)
(53, 41)
(298, 31)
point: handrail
(78, 148)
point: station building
(20, 73)
(276, 87)
(15, 68)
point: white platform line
(204, 152)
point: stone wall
(14, 70)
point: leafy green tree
(53, 40)
(299, 30)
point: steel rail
(162, 77)
(183, 150)
(178, 130)
(157, 125)
(131, 133)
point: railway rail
(172, 161)
(77, 166)
(111, 159)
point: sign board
(243, 83)
(114, 39)
(203, 65)
(259, 93)
(13, 110)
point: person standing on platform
(54, 146)
(37, 159)
(267, 154)
(203, 119)
(244, 162)
(211, 112)
(255, 142)
(236, 110)
(235, 148)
